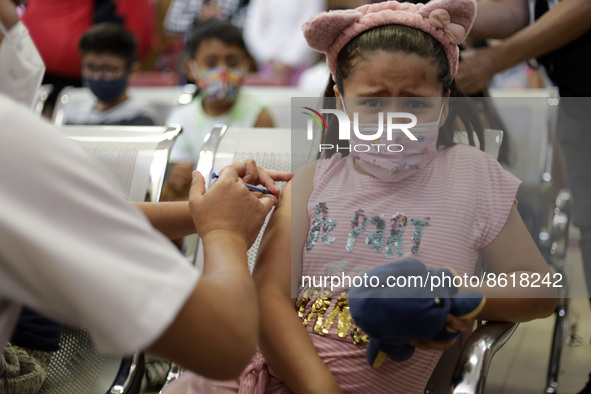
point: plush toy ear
(455, 17)
(375, 357)
(322, 30)
(378, 351)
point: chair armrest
(476, 355)
(174, 373)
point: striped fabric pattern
(451, 208)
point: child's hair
(218, 29)
(109, 38)
(399, 38)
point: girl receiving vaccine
(439, 202)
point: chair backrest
(278, 100)
(530, 119)
(42, 94)
(135, 158)
(162, 98)
(492, 141)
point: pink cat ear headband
(448, 21)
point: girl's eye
(415, 104)
(373, 103)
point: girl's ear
(335, 89)
(337, 94)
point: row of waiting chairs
(165, 99)
(271, 149)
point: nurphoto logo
(364, 132)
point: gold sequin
(301, 306)
(358, 338)
(345, 321)
(330, 320)
(319, 309)
(340, 314)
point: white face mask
(21, 66)
(384, 160)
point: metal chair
(164, 98)
(42, 95)
(531, 118)
(136, 158)
(278, 100)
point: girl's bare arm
(514, 251)
(283, 339)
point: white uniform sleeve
(72, 249)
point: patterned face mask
(218, 84)
(394, 166)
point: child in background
(108, 59)
(217, 60)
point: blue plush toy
(395, 316)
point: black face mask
(107, 90)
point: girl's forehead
(392, 74)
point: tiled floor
(520, 367)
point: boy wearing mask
(108, 59)
(218, 61)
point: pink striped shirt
(443, 215)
